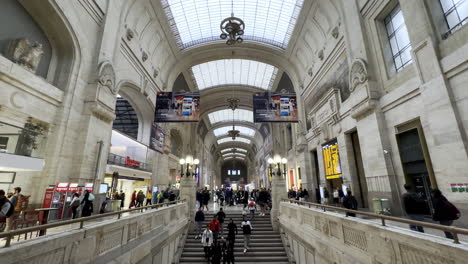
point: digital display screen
(177, 107)
(275, 107)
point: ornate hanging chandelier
(232, 28)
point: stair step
(241, 249)
(239, 259)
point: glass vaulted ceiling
(232, 149)
(244, 131)
(238, 139)
(195, 22)
(234, 72)
(226, 115)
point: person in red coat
(215, 227)
(133, 200)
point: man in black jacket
(199, 219)
(415, 207)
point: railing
(10, 234)
(453, 230)
(119, 160)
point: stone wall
(149, 237)
(315, 236)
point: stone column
(187, 191)
(278, 192)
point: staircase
(265, 244)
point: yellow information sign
(331, 161)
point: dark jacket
(349, 202)
(199, 216)
(414, 204)
(221, 215)
(444, 210)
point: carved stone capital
(101, 112)
(362, 109)
(107, 76)
(358, 74)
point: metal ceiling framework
(126, 120)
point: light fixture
(196, 161)
(277, 159)
(284, 160)
(232, 28)
(271, 161)
(181, 161)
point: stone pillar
(278, 192)
(188, 192)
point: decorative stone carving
(155, 73)
(321, 55)
(107, 76)
(355, 238)
(357, 74)
(18, 99)
(25, 54)
(144, 56)
(130, 34)
(335, 32)
(310, 72)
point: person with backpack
(349, 202)
(415, 207)
(207, 241)
(87, 204)
(444, 211)
(252, 206)
(6, 210)
(247, 231)
(221, 216)
(199, 219)
(75, 203)
(215, 227)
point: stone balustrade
(315, 236)
(152, 236)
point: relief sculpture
(25, 54)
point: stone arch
(65, 47)
(176, 142)
(142, 106)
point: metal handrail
(10, 234)
(454, 230)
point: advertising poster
(275, 107)
(177, 107)
(157, 138)
(331, 160)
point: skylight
(232, 149)
(195, 22)
(234, 154)
(226, 116)
(234, 72)
(244, 131)
(238, 139)
(229, 158)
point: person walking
(133, 200)
(444, 211)
(75, 203)
(326, 195)
(349, 202)
(149, 198)
(252, 208)
(216, 253)
(122, 199)
(247, 231)
(263, 201)
(415, 207)
(199, 219)
(232, 232)
(140, 198)
(199, 198)
(336, 197)
(207, 241)
(229, 253)
(221, 216)
(206, 198)
(215, 227)
(87, 204)
(306, 195)
(6, 209)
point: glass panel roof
(232, 154)
(238, 139)
(195, 22)
(234, 72)
(244, 131)
(228, 158)
(226, 115)
(231, 149)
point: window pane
(446, 4)
(452, 19)
(402, 37)
(398, 63)
(463, 10)
(394, 45)
(398, 20)
(406, 56)
(389, 29)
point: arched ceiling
(197, 22)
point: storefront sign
(157, 138)
(459, 187)
(131, 163)
(73, 187)
(61, 187)
(89, 186)
(331, 160)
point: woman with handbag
(444, 211)
(75, 203)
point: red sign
(89, 186)
(131, 163)
(61, 187)
(73, 187)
